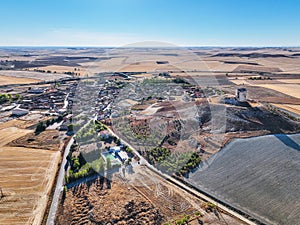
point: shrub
(40, 128)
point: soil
(89, 204)
(48, 139)
(27, 177)
(139, 197)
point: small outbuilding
(241, 94)
(19, 112)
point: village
(112, 128)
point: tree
(17, 97)
(101, 168)
(76, 163)
(40, 128)
(48, 122)
(108, 164)
(118, 142)
(70, 127)
(59, 118)
(5, 98)
(128, 150)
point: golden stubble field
(288, 89)
(4, 80)
(27, 176)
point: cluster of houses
(52, 100)
(195, 92)
(105, 97)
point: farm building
(122, 155)
(241, 94)
(116, 150)
(19, 112)
(35, 91)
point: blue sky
(120, 22)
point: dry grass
(32, 75)
(4, 80)
(290, 65)
(142, 75)
(62, 69)
(18, 123)
(48, 140)
(27, 176)
(289, 107)
(239, 81)
(290, 81)
(11, 133)
(147, 66)
(242, 68)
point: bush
(40, 128)
(59, 119)
(180, 81)
(178, 163)
(5, 98)
(129, 150)
(70, 128)
(198, 213)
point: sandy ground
(289, 89)
(27, 176)
(151, 110)
(16, 80)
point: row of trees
(4, 98)
(89, 133)
(44, 124)
(260, 78)
(180, 81)
(158, 154)
(81, 169)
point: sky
(122, 22)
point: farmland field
(289, 107)
(9, 134)
(16, 80)
(32, 75)
(259, 175)
(289, 89)
(27, 176)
